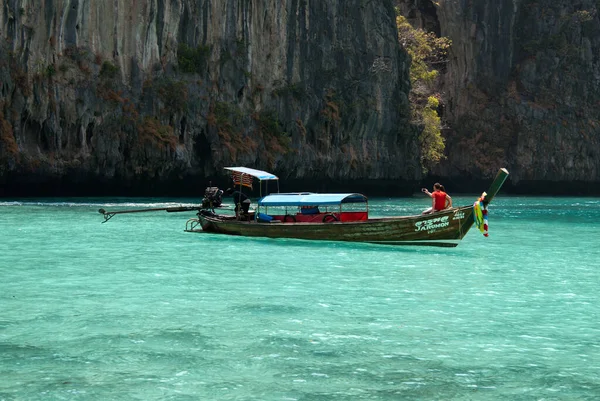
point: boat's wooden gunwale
(447, 225)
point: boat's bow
(495, 186)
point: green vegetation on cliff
(426, 51)
(193, 60)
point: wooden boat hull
(443, 228)
(440, 229)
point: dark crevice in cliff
(421, 14)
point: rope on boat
(192, 224)
(460, 225)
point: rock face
(156, 95)
(99, 94)
(522, 89)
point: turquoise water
(137, 309)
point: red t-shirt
(440, 200)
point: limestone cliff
(522, 89)
(120, 93)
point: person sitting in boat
(241, 201)
(440, 200)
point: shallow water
(138, 309)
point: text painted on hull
(458, 215)
(432, 225)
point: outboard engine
(213, 197)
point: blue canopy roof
(310, 199)
(261, 175)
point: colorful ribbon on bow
(480, 215)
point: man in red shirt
(440, 199)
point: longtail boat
(343, 217)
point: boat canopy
(310, 199)
(261, 175)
